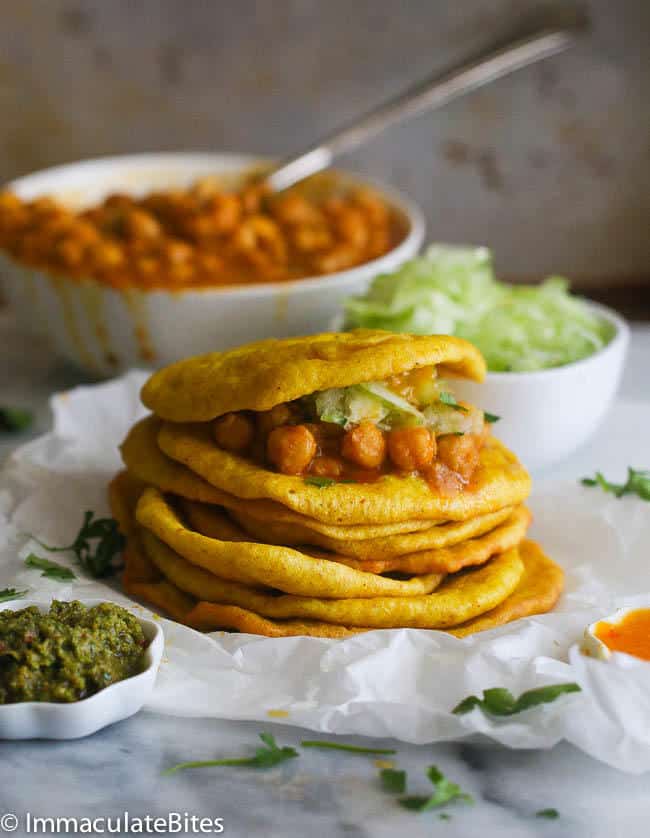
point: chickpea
(139, 224)
(291, 448)
(107, 254)
(233, 432)
(180, 273)
(372, 206)
(9, 202)
(206, 187)
(337, 259)
(176, 252)
(267, 420)
(70, 252)
(222, 214)
(411, 449)
(364, 445)
(259, 235)
(210, 263)
(326, 467)
(308, 239)
(293, 209)
(352, 227)
(460, 453)
(252, 197)
(147, 266)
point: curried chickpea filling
(201, 236)
(439, 438)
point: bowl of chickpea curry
(144, 259)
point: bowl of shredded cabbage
(554, 360)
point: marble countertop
(322, 793)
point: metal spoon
(426, 95)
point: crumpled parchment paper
(399, 683)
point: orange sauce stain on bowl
(630, 635)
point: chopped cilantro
(499, 701)
(340, 746)
(490, 417)
(7, 594)
(320, 482)
(267, 756)
(393, 780)
(637, 483)
(450, 400)
(551, 814)
(15, 419)
(51, 570)
(95, 546)
(444, 792)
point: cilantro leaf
(444, 792)
(340, 746)
(551, 814)
(319, 482)
(265, 757)
(637, 483)
(95, 546)
(7, 594)
(499, 701)
(393, 780)
(450, 400)
(51, 570)
(490, 417)
(15, 419)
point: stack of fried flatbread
(220, 540)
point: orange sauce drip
(630, 635)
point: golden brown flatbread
(260, 375)
(371, 549)
(455, 601)
(266, 565)
(146, 463)
(538, 592)
(500, 480)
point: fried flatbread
(538, 591)
(260, 375)
(146, 462)
(500, 480)
(458, 599)
(371, 549)
(258, 564)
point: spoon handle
(426, 95)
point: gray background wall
(551, 167)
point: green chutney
(70, 653)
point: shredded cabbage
(453, 290)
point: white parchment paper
(400, 683)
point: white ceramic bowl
(106, 331)
(48, 720)
(546, 415)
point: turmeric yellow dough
(538, 591)
(214, 523)
(208, 616)
(146, 463)
(260, 375)
(458, 599)
(500, 480)
(261, 564)
(473, 552)
(377, 549)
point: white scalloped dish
(48, 720)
